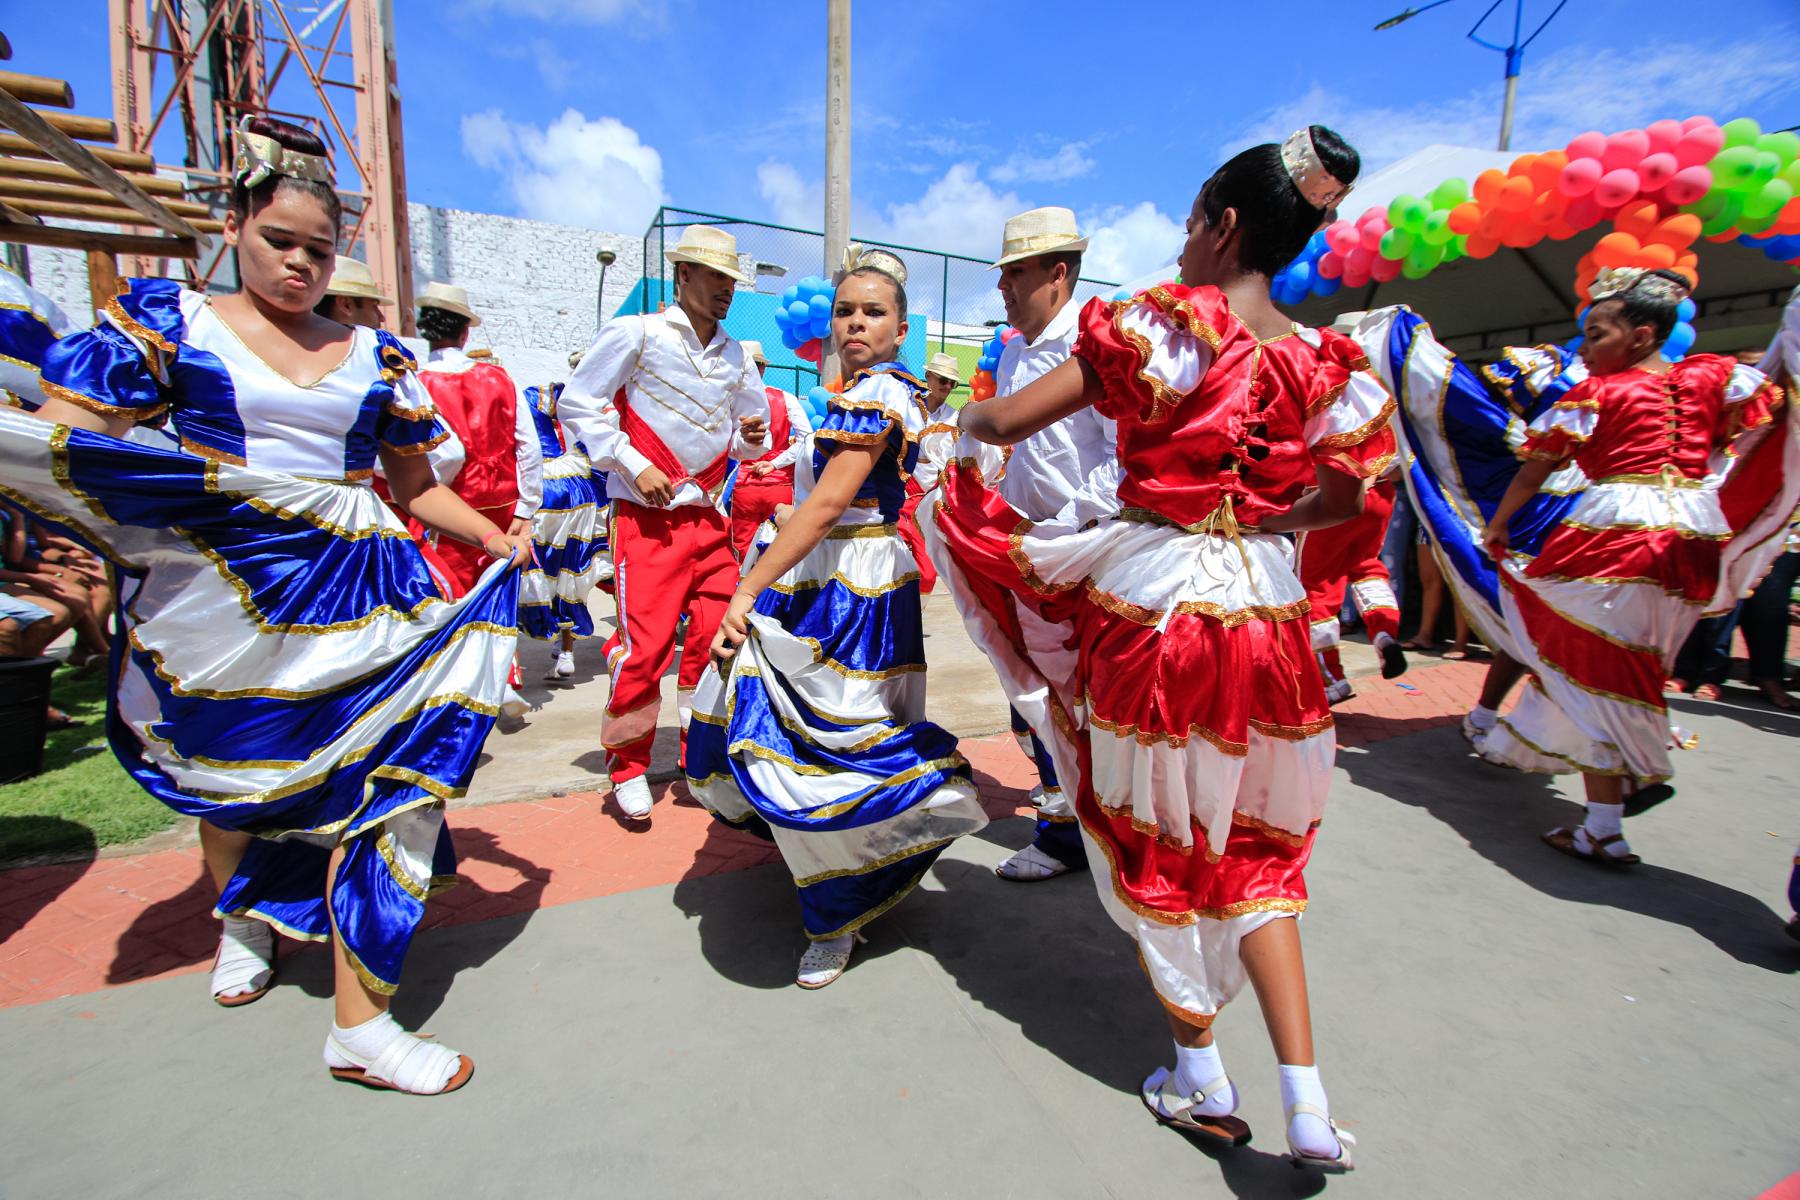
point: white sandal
(246, 960)
(1175, 1110)
(409, 1063)
(825, 960)
(1031, 865)
(1342, 1164)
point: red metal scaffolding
(185, 71)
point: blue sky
(592, 112)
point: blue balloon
(790, 340)
(782, 321)
(1325, 287)
(1573, 345)
(1687, 310)
(1780, 249)
(1122, 294)
(821, 316)
(818, 399)
(792, 294)
(1680, 342)
(1300, 277)
(800, 313)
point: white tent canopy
(1518, 297)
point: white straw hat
(708, 247)
(944, 365)
(1040, 231)
(754, 352)
(450, 298)
(352, 277)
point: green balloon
(1707, 207)
(1436, 230)
(1425, 255)
(1741, 132)
(1724, 219)
(1413, 270)
(1395, 243)
(1450, 193)
(1734, 168)
(1407, 212)
(1455, 248)
(1755, 225)
(1791, 173)
(1768, 165)
(1769, 200)
(1783, 145)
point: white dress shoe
(633, 796)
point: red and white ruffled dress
(1195, 722)
(1692, 483)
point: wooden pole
(837, 152)
(103, 277)
(70, 193)
(122, 160)
(26, 233)
(39, 89)
(57, 143)
(112, 213)
(26, 168)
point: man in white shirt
(662, 402)
(936, 443)
(1069, 469)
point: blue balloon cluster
(817, 400)
(990, 352)
(1301, 278)
(804, 312)
(1781, 249)
(1681, 338)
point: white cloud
(1069, 162)
(653, 14)
(594, 173)
(959, 212)
(791, 199)
(1124, 243)
(1560, 95)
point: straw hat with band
(754, 352)
(352, 277)
(708, 247)
(450, 298)
(944, 366)
(1040, 231)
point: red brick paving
(78, 927)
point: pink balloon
(1583, 213)
(1330, 265)
(1688, 185)
(1692, 123)
(1616, 187)
(1375, 212)
(1342, 236)
(1008, 335)
(1358, 262)
(1591, 144)
(1664, 136)
(1371, 234)
(1360, 279)
(1656, 170)
(1385, 270)
(1625, 150)
(1580, 176)
(1698, 145)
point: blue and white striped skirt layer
(569, 532)
(287, 668)
(817, 736)
(1459, 426)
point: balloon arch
(1662, 188)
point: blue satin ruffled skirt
(569, 534)
(817, 737)
(285, 668)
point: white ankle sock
(1604, 820)
(1307, 1133)
(1483, 717)
(368, 1040)
(1195, 1068)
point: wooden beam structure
(151, 245)
(55, 172)
(87, 129)
(39, 89)
(33, 127)
(119, 160)
(98, 212)
(28, 189)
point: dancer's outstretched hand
(734, 627)
(515, 547)
(1494, 540)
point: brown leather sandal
(1563, 839)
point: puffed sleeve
(1152, 350)
(408, 422)
(120, 367)
(1751, 401)
(1349, 414)
(1560, 431)
(874, 411)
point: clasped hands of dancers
(1125, 565)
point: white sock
(1198, 1066)
(368, 1040)
(1604, 820)
(1306, 1133)
(1483, 717)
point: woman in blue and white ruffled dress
(811, 725)
(553, 594)
(288, 672)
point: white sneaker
(633, 796)
(563, 667)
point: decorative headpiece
(858, 256)
(259, 156)
(1614, 282)
(1319, 186)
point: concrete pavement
(1493, 1019)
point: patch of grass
(83, 799)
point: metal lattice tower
(185, 71)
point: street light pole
(837, 151)
(1514, 50)
(605, 258)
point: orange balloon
(1547, 207)
(1481, 245)
(1560, 230)
(1788, 222)
(1546, 171)
(1689, 274)
(1637, 219)
(1465, 218)
(1492, 222)
(1515, 195)
(1487, 187)
(1677, 232)
(1657, 255)
(1687, 262)
(1520, 167)
(1522, 234)
(1616, 250)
